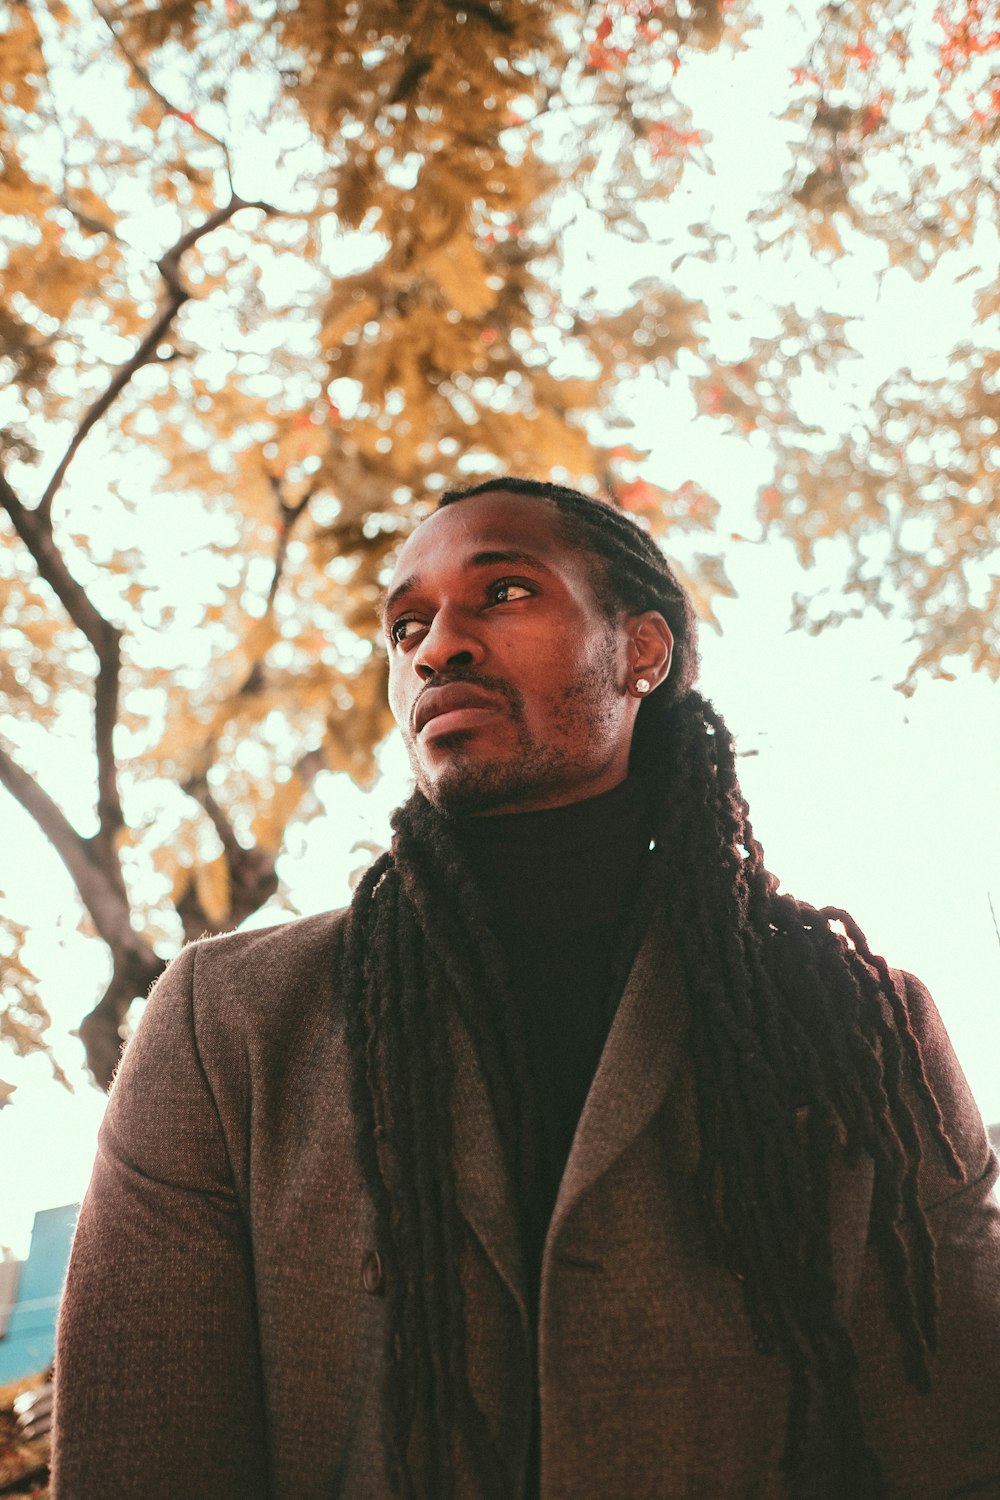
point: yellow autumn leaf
(211, 884)
(460, 272)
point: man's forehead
(467, 532)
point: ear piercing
(642, 684)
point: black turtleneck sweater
(560, 888)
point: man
(574, 1161)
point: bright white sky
(885, 805)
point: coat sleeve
(158, 1376)
(946, 1443)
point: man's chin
(466, 790)
(464, 785)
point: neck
(548, 799)
(559, 867)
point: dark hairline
(571, 530)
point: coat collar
(639, 1060)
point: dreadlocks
(799, 1041)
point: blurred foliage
(266, 393)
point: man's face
(509, 684)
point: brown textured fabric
(217, 1339)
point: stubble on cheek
(583, 713)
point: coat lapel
(639, 1060)
(485, 1194)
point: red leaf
(666, 140)
(770, 501)
(605, 59)
(693, 499)
(713, 399)
(862, 53)
(640, 495)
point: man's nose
(450, 642)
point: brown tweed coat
(218, 1339)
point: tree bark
(100, 1031)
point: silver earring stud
(642, 684)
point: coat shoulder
(277, 955)
(960, 1120)
(247, 992)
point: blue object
(30, 1340)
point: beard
(533, 768)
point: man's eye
(399, 630)
(506, 590)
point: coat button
(372, 1276)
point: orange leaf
(640, 495)
(625, 450)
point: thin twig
(166, 105)
(288, 516)
(177, 294)
(89, 222)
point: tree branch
(109, 808)
(100, 1031)
(288, 516)
(252, 875)
(165, 104)
(53, 822)
(177, 294)
(89, 222)
(35, 526)
(100, 889)
(175, 299)
(35, 530)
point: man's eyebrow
(507, 555)
(487, 559)
(399, 592)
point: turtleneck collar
(563, 868)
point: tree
(898, 118)
(272, 384)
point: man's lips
(458, 705)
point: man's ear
(650, 651)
